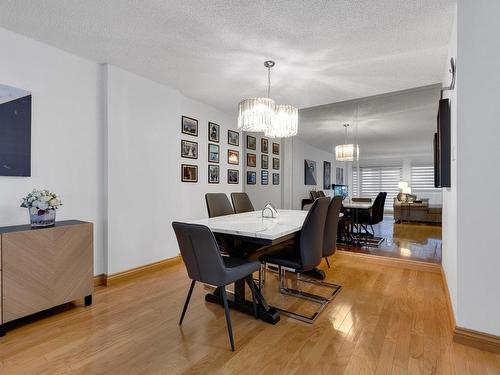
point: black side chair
(303, 256)
(329, 242)
(241, 203)
(314, 195)
(218, 204)
(331, 228)
(375, 215)
(205, 264)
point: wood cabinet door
(44, 268)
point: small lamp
(406, 191)
(402, 185)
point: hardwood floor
(386, 320)
(415, 241)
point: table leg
(238, 302)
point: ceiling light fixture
(263, 115)
(347, 151)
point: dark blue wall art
(309, 172)
(15, 132)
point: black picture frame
(264, 177)
(234, 153)
(213, 132)
(251, 160)
(310, 177)
(213, 156)
(233, 176)
(185, 144)
(264, 161)
(327, 175)
(233, 138)
(251, 177)
(276, 148)
(189, 126)
(276, 178)
(264, 145)
(213, 178)
(184, 168)
(339, 176)
(276, 164)
(251, 142)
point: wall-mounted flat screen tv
(442, 146)
(15, 131)
(340, 190)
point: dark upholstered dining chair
(241, 203)
(331, 228)
(314, 194)
(375, 215)
(205, 264)
(218, 204)
(303, 255)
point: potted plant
(42, 206)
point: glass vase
(45, 219)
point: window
(422, 178)
(375, 180)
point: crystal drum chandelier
(263, 115)
(347, 151)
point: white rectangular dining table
(252, 226)
(358, 205)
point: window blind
(422, 178)
(377, 179)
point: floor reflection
(414, 241)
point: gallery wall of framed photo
(222, 147)
(262, 169)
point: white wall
(478, 132)
(66, 152)
(259, 194)
(108, 142)
(145, 193)
(449, 227)
(299, 152)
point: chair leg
(228, 317)
(187, 301)
(251, 284)
(261, 275)
(327, 262)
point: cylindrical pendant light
(263, 115)
(255, 114)
(285, 123)
(347, 151)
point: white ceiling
(395, 125)
(213, 51)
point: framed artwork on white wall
(339, 176)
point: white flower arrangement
(41, 201)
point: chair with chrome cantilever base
(205, 264)
(329, 242)
(302, 256)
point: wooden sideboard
(44, 268)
